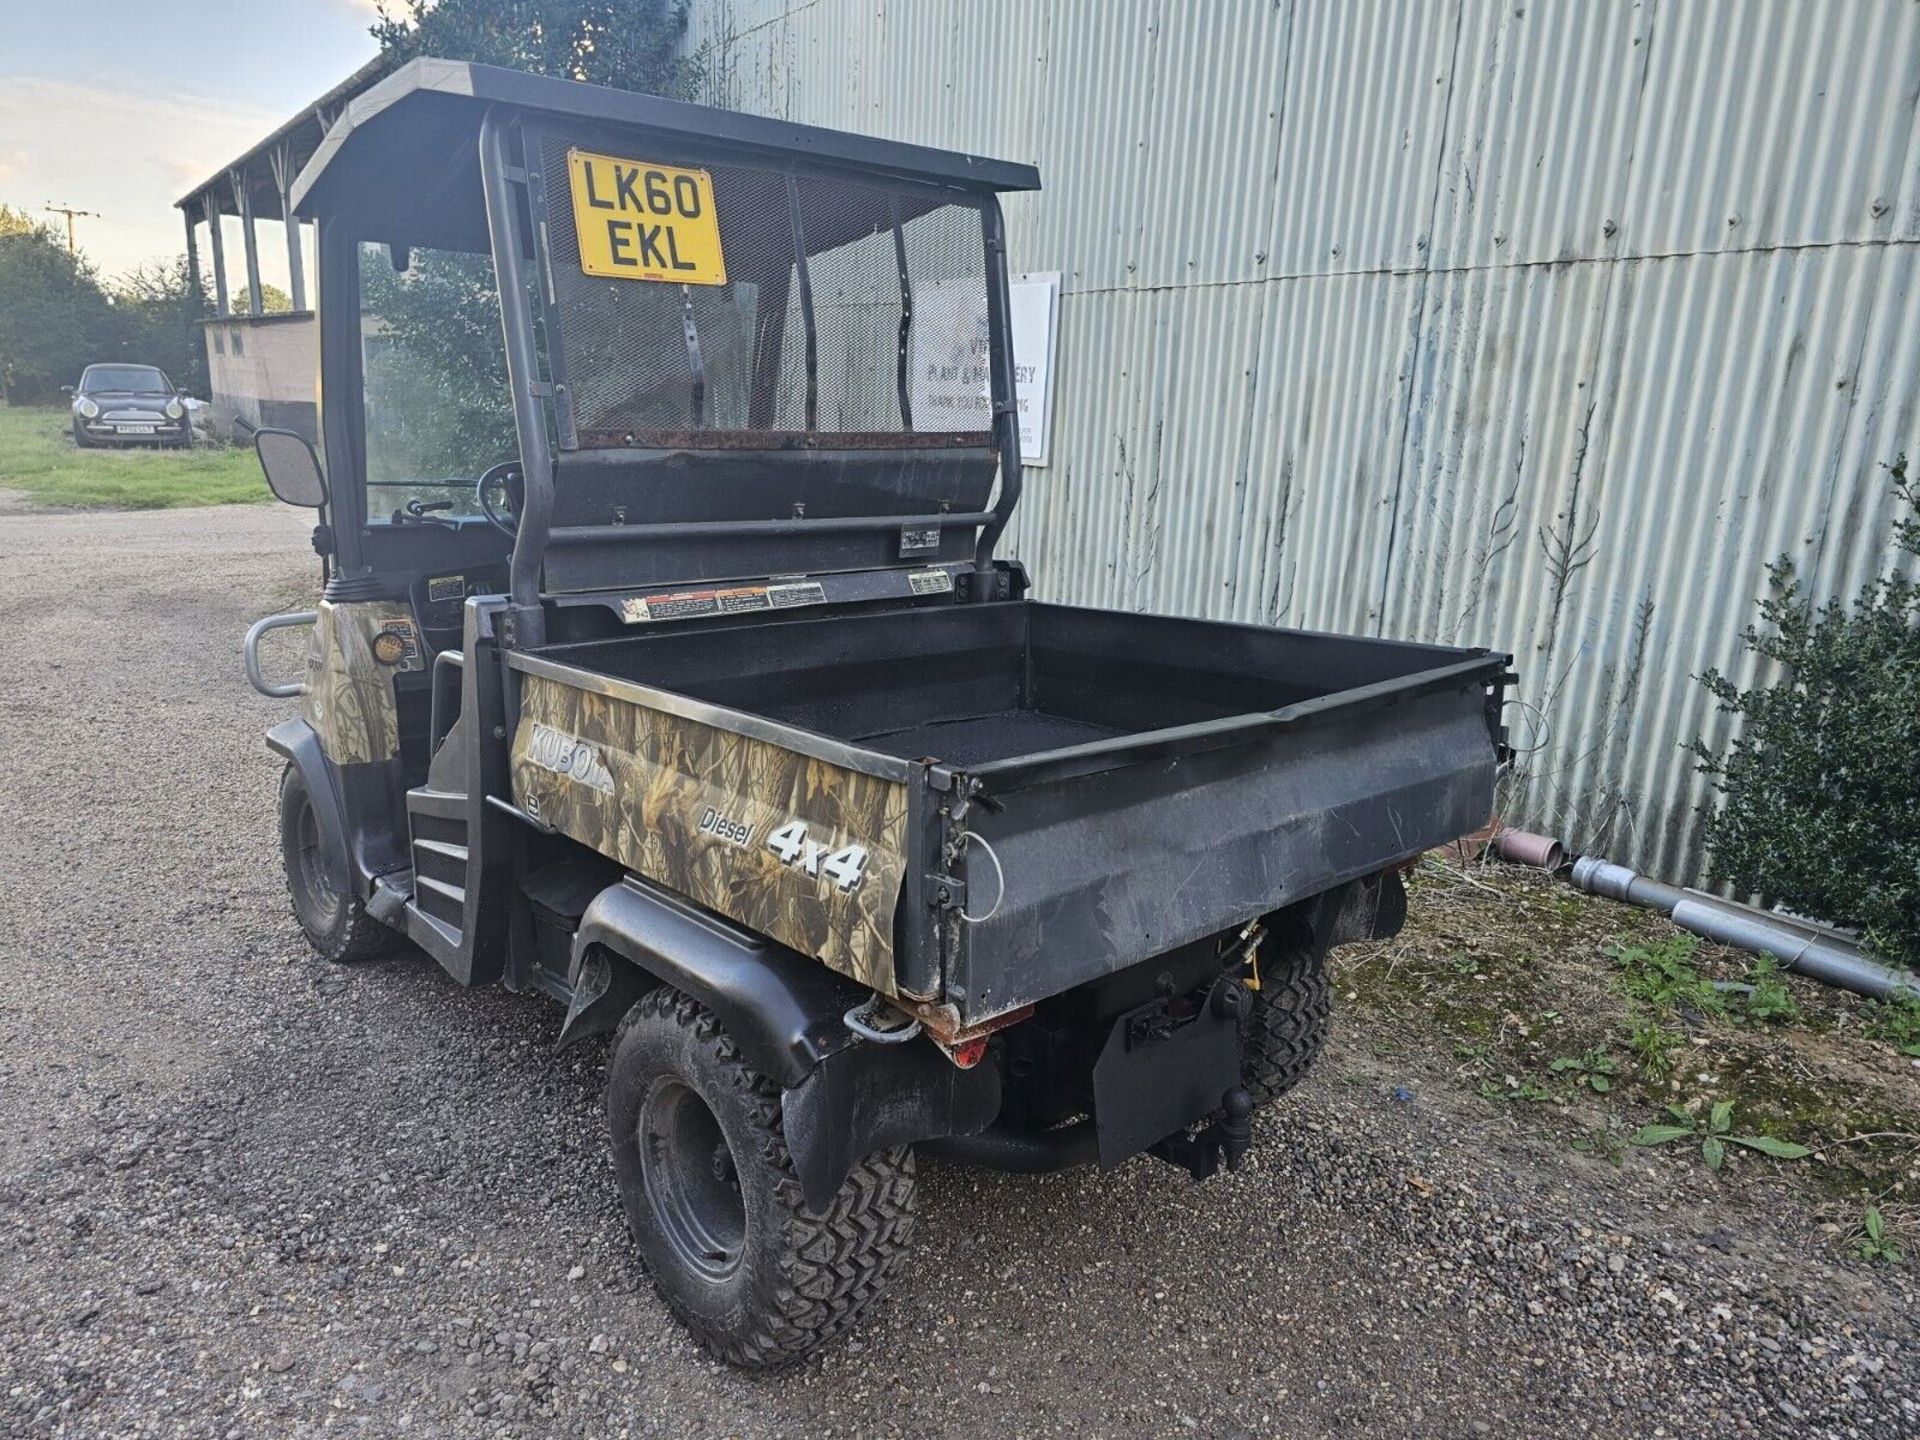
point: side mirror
(66, 389)
(293, 470)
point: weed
(1653, 1046)
(1662, 975)
(1715, 1135)
(1602, 1144)
(1596, 1068)
(1897, 1022)
(1770, 1000)
(1510, 1087)
(1874, 1243)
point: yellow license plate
(638, 221)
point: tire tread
(833, 1266)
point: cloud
(126, 155)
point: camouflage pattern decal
(803, 851)
(349, 700)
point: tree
(55, 317)
(156, 308)
(1817, 793)
(628, 44)
(273, 300)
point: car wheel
(1285, 1025)
(80, 437)
(336, 924)
(714, 1203)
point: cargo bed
(1137, 781)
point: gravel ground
(245, 1194)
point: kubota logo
(570, 756)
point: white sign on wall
(948, 353)
(1036, 307)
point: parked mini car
(128, 405)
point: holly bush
(1818, 796)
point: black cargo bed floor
(1000, 736)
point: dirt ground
(244, 1194)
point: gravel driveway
(246, 1194)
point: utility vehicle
(666, 666)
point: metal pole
(1006, 403)
(243, 197)
(526, 614)
(341, 390)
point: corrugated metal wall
(1537, 326)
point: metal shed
(1536, 326)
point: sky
(121, 108)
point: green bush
(1819, 796)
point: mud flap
(1159, 1073)
(872, 1097)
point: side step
(437, 913)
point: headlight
(86, 407)
(175, 409)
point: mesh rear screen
(704, 363)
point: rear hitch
(1227, 1139)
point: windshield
(127, 379)
(738, 307)
(438, 411)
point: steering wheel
(506, 478)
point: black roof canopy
(402, 162)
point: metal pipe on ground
(1799, 946)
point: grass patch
(39, 459)
(1600, 1018)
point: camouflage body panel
(798, 849)
(349, 698)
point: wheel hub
(691, 1181)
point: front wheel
(714, 1203)
(336, 924)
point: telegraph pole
(70, 213)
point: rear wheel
(336, 923)
(1285, 1025)
(714, 1204)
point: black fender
(845, 1097)
(872, 1097)
(297, 743)
(781, 1008)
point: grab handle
(251, 650)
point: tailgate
(1109, 868)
